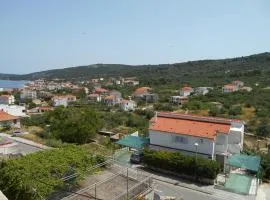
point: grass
(247, 114)
(252, 142)
(33, 137)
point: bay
(8, 84)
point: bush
(42, 172)
(181, 164)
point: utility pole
(127, 183)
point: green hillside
(250, 68)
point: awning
(133, 141)
(251, 163)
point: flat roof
(248, 162)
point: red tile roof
(230, 86)
(141, 90)
(187, 89)
(100, 90)
(197, 126)
(6, 117)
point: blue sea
(7, 84)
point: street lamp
(48, 126)
(196, 145)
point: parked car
(136, 157)
(17, 133)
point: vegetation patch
(182, 164)
(37, 175)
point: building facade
(206, 136)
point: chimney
(156, 114)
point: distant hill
(184, 72)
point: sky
(38, 35)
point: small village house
(239, 84)
(213, 138)
(179, 100)
(101, 92)
(234, 86)
(127, 105)
(143, 93)
(229, 88)
(202, 90)
(94, 97)
(7, 99)
(63, 100)
(10, 120)
(15, 110)
(39, 110)
(186, 91)
(114, 98)
(246, 88)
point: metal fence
(122, 183)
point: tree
(214, 111)
(263, 130)
(74, 125)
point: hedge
(181, 164)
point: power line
(84, 195)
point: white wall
(14, 110)
(206, 146)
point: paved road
(26, 149)
(167, 189)
(23, 146)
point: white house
(94, 97)
(179, 100)
(127, 105)
(214, 138)
(15, 110)
(63, 100)
(28, 94)
(7, 99)
(202, 90)
(186, 91)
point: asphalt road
(26, 149)
(165, 189)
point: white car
(17, 133)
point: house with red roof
(7, 119)
(144, 94)
(94, 97)
(127, 105)
(186, 91)
(234, 86)
(113, 98)
(210, 137)
(230, 88)
(63, 100)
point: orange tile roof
(141, 90)
(109, 97)
(230, 86)
(196, 126)
(100, 90)
(187, 89)
(6, 117)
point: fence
(114, 182)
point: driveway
(25, 146)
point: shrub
(181, 164)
